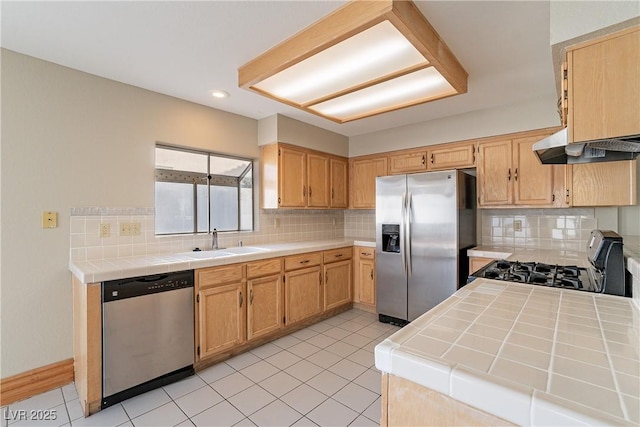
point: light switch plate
(49, 219)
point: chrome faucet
(214, 239)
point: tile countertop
(119, 268)
(529, 354)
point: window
(198, 191)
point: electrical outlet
(135, 228)
(49, 219)
(517, 225)
(105, 230)
(125, 229)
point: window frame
(200, 178)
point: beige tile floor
(322, 375)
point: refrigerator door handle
(409, 212)
(403, 256)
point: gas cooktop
(558, 276)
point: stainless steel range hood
(555, 149)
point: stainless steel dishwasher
(147, 334)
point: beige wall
(536, 114)
(279, 128)
(70, 139)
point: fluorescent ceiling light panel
(372, 54)
(365, 58)
(410, 89)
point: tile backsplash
(562, 229)
(271, 227)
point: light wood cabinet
(339, 183)
(296, 177)
(408, 161)
(292, 178)
(451, 156)
(264, 291)
(476, 263)
(303, 292)
(494, 178)
(337, 277)
(318, 180)
(221, 309)
(365, 278)
(604, 87)
(510, 174)
(363, 172)
(605, 184)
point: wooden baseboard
(365, 307)
(35, 381)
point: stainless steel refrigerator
(424, 224)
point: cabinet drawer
(264, 268)
(218, 275)
(301, 261)
(337, 255)
(365, 253)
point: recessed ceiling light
(219, 93)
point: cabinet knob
(371, 274)
(509, 175)
(304, 261)
(241, 299)
(326, 277)
(516, 174)
(432, 160)
(423, 159)
(365, 253)
(251, 297)
(309, 191)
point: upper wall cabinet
(510, 174)
(458, 155)
(408, 161)
(603, 87)
(295, 177)
(363, 172)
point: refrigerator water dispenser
(391, 238)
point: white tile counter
(528, 354)
(120, 268)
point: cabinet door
(604, 88)
(339, 183)
(318, 181)
(367, 285)
(264, 310)
(303, 294)
(337, 284)
(476, 263)
(292, 178)
(451, 156)
(362, 177)
(415, 161)
(605, 184)
(495, 180)
(533, 181)
(221, 318)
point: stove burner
(524, 266)
(519, 276)
(570, 282)
(571, 271)
(543, 268)
(503, 265)
(492, 273)
(538, 278)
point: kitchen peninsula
(503, 353)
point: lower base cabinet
(222, 311)
(303, 294)
(365, 277)
(337, 284)
(264, 309)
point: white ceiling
(186, 49)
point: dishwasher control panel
(115, 290)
